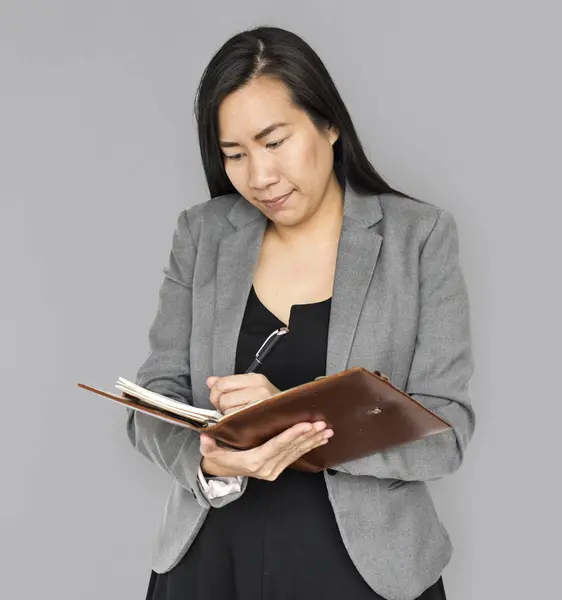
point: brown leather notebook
(367, 413)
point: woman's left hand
(233, 392)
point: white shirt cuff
(217, 487)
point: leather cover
(367, 413)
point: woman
(301, 231)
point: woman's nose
(262, 173)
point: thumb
(206, 444)
(211, 381)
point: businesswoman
(300, 230)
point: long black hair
(277, 53)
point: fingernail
(319, 425)
(328, 434)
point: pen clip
(280, 331)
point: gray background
(456, 103)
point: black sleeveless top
(280, 539)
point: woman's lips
(276, 202)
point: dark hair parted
(277, 53)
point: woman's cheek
(300, 166)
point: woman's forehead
(256, 106)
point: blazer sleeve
(167, 371)
(441, 367)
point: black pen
(266, 348)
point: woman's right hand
(267, 461)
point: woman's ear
(333, 134)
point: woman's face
(274, 155)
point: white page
(160, 401)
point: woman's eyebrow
(263, 133)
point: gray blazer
(399, 305)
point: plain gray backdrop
(456, 103)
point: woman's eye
(233, 156)
(274, 145)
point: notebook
(367, 413)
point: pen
(266, 348)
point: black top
(280, 539)
(300, 356)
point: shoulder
(413, 217)
(190, 220)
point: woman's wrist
(209, 469)
(204, 465)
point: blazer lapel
(358, 252)
(238, 253)
(237, 258)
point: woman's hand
(235, 391)
(267, 461)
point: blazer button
(331, 471)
